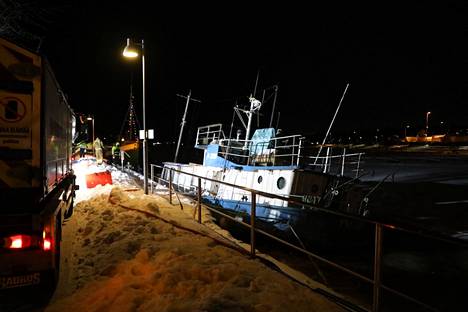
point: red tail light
(47, 244)
(46, 239)
(18, 241)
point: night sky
(400, 62)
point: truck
(37, 183)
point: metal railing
(277, 151)
(196, 190)
(207, 134)
(335, 164)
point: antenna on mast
(277, 121)
(275, 87)
(331, 124)
(256, 83)
(258, 113)
(255, 94)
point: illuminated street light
(427, 122)
(131, 51)
(92, 119)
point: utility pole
(188, 97)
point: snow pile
(85, 166)
(127, 260)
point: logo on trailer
(12, 109)
(19, 281)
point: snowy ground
(126, 251)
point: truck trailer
(37, 183)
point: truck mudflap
(18, 270)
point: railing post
(199, 200)
(152, 177)
(252, 223)
(358, 162)
(292, 154)
(274, 156)
(343, 161)
(377, 267)
(299, 151)
(325, 167)
(170, 186)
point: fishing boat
(270, 163)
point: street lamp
(92, 143)
(131, 51)
(427, 122)
(406, 131)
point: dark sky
(400, 62)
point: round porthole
(260, 179)
(281, 183)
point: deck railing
(195, 189)
(341, 164)
(283, 151)
(208, 134)
(278, 151)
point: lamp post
(131, 51)
(427, 122)
(92, 143)
(406, 131)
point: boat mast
(131, 120)
(254, 106)
(183, 121)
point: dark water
(429, 271)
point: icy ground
(115, 258)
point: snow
(135, 252)
(85, 166)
